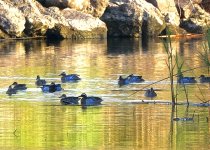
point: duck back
(70, 78)
(204, 79)
(40, 82)
(51, 88)
(70, 101)
(183, 80)
(91, 101)
(20, 87)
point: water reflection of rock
(118, 46)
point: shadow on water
(116, 46)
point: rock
(12, 21)
(132, 18)
(80, 26)
(28, 18)
(206, 5)
(169, 10)
(93, 7)
(196, 19)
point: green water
(36, 120)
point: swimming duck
(150, 93)
(69, 78)
(130, 79)
(11, 91)
(182, 79)
(123, 81)
(90, 101)
(40, 82)
(69, 100)
(204, 79)
(135, 79)
(51, 88)
(17, 86)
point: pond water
(36, 120)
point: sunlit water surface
(36, 120)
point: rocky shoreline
(72, 19)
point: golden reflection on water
(33, 120)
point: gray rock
(93, 7)
(196, 19)
(28, 18)
(77, 25)
(12, 21)
(132, 18)
(169, 10)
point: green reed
(170, 63)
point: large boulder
(169, 10)
(80, 26)
(36, 22)
(28, 18)
(93, 7)
(133, 18)
(194, 18)
(12, 21)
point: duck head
(83, 95)
(62, 74)
(14, 83)
(37, 77)
(120, 78)
(202, 76)
(63, 96)
(130, 75)
(52, 83)
(10, 87)
(180, 75)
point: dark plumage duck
(135, 79)
(204, 79)
(69, 78)
(130, 79)
(11, 91)
(51, 88)
(69, 100)
(90, 101)
(183, 80)
(123, 81)
(17, 86)
(39, 81)
(150, 93)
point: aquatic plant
(170, 63)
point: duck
(89, 101)
(69, 100)
(39, 81)
(17, 86)
(183, 80)
(150, 93)
(11, 91)
(69, 78)
(51, 88)
(130, 79)
(135, 79)
(123, 81)
(203, 79)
